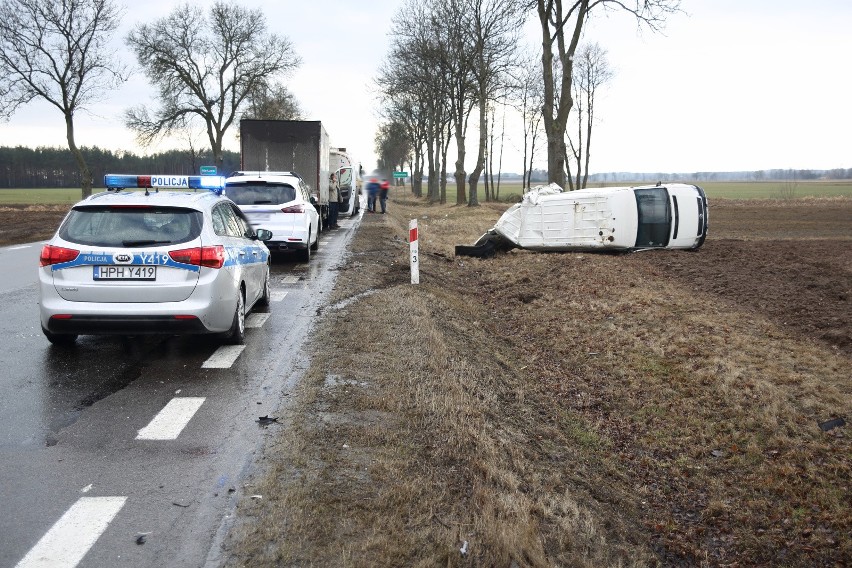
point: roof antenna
(659, 183)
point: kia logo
(122, 258)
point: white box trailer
(300, 146)
(672, 216)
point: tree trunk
(85, 172)
(461, 194)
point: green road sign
(208, 170)
(400, 175)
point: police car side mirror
(263, 234)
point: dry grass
(549, 410)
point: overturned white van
(672, 216)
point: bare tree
(526, 96)
(562, 24)
(273, 102)
(493, 26)
(205, 68)
(591, 71)
(57, 52)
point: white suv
(280, 202)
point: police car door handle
(242, 253)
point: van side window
(654, 217)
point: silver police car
(153, 262)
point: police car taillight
(211, 257)
(294, 209)
(55, 255)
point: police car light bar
(122, 181)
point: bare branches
(57, 51)
(556, 17)
(206, 68)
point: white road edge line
(172, 419)
(257, 320)
(71, 537)
(223, 357)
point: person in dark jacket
(372, 194)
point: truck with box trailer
(299, 146)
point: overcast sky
(729, 85)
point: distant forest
(24, 168)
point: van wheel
(237, 334)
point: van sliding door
(655, 217)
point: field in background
(511, 191)
(40, 196)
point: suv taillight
(55, 255)
(211, 257)
(294, 209)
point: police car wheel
(267, 290)
(61, 339)
(314, 246)
(237, 334)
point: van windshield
(654, 217)
(260, 193)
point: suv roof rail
(259, 173)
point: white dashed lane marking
(277, 296)
(172, 419)
(290, 280)
(71, 537)
(256, 320)
(223, 357)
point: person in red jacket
(383, 194)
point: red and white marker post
(414, 251)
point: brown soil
(29, 223)
(656, 408)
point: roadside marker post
(414, 250)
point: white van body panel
(549, 219)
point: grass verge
(550, 410)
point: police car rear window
(128, 226)
(260, 193)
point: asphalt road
(95, 468)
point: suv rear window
(128, 226)
(259, 193)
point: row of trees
(209, 69)
(24, 168)
(455, 60)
